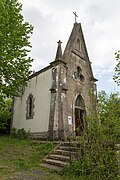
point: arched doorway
(79, 115)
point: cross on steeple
(76, 16)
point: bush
(19, 133)
(5, 116)
(98, 142)
(99, 160)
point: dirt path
(32, 175)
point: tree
(5, 116)
(116, 77)
(14, 48)
(109, 112)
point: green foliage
(109, 112)
(19, 133)
(98, 143)
(21, 157)
(14, 47)
(5, 115)
(22, 164)
(116, 77)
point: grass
(23, 157)
(20, 160)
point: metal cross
(75, 16)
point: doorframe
(82, 118)
(73, 109)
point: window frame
(30, 107)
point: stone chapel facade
(58, 97)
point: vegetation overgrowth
(99, 143)
(21, 156)
(21, 159)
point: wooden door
(79, 122)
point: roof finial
(76, 16)
(59, 51)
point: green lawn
(18, 157)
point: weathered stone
(56, 90)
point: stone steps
(63, 152)
(52, 167)
(72, 144)
(67, 148)
(60, 156)
(56, 162)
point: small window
(79, 71)
(78, 74)
(78, 45)
(81, 78)
(30, 107)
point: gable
(76, 43)
(76, 46)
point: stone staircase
(61, 156)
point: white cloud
(53, 20)
(114, 87)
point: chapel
(57, 99)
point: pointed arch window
(80, 102)
(80, 114)
(78, 45)
(30, 107)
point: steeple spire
(59, 51)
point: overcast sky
(54, 19)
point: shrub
(19, 133)
(98, 142)
(5, 116)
